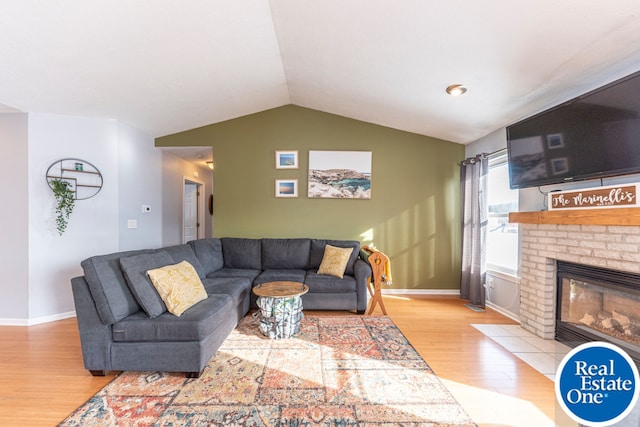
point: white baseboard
(453, 292)
(60, 316)
(37, 320)
(420, 292)
(502, 311)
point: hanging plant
(65, 201)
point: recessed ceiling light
(456, 90)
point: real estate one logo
(597, 384)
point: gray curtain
(473, 188)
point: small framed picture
(560, 165)
(286, 188)
(287, 159)
(555, 140)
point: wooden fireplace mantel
(601, 216)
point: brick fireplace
(615, 247)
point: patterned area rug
(339, 371)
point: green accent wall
(414, 212)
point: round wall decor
(84, 178)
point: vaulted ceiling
(166, 66)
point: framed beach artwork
(286, 188)
(286, 159)
(340, 174)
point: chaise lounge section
(125, 325)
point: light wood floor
(42, 377)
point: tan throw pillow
(178, 285)
(334, 261)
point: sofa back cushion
(108, 286)
(241, 253)
(185, 252)
(285, 253)
(209, 253)
(317, 252)
(135, 270)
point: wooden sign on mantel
(612, 196)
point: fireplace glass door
(598, 305)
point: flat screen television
(595, 135)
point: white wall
(14, 223)
(503, 294)
(140, 177)
(496, 140)
(93, 225)
(37, 263)
(535, 199)
(174, 172)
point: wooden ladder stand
(377, 261)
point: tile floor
(543, 355)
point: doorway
(192, 211)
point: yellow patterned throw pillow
(334, 261)
(178, 285)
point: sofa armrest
(95, 337)
(362, 273)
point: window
(502, 237)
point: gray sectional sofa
(125, 327)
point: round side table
(280, 308)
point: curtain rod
(489, 154)
(495, 152)
(485, 155)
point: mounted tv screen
(595, 135)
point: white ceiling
(166, 66)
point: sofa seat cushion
(321, 283)
(280, 275)
(230, 273)
(236, 287)
(195, 324)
